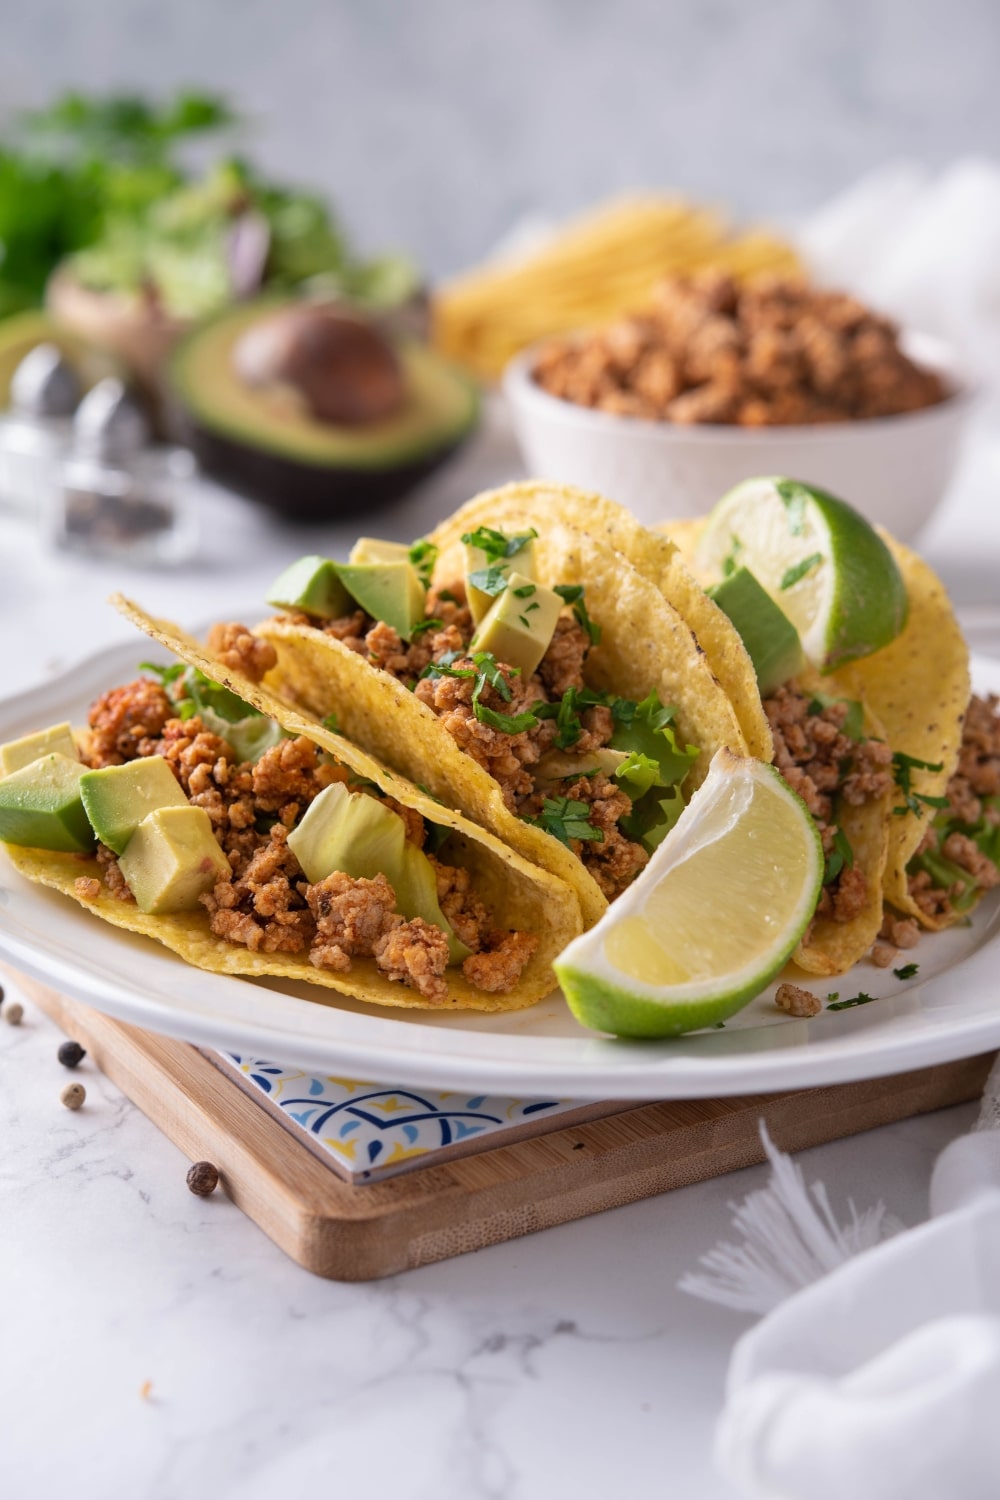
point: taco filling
(196, 798)
(500, 659)
(822, 752)
(958, 857)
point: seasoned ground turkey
(124, 721)
(237, 648)
(267, 905)
(976, 776)
(509, 758)
(823, 764)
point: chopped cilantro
(799, 570)
(567, 819)
(567, 714)
(423, 556)
(833, 995)
(907, 971)
(445, 596)
(840, 856)
(495, 544)
(795, 497)
(332, 723)
(486, 671)
(525, 592)
(572, 593)
(902, 767)
(529, 607)
(731, 560)
(423, 626)
(491, 580)
(859, 999)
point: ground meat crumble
(823, 765)
(510, 759)
(266, 904)
(976, 777)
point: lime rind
(850, 603)
(603, 998)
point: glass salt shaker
(36, 429)
(119, 496)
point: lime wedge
(827, 568)
(713, 916)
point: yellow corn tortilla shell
(918, 687)
(521, 895)
(645, 647)
(515, 507)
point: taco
(530, 677)
(198, 809)
(804, 722)
(943, 822)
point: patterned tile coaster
(370, 1131)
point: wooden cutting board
(557, 1169)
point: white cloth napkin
(881, 1379)
(924, 248)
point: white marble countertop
(565, 1364)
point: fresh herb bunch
(102, 182)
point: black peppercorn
(203, 1178)
(71, 1054)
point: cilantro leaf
(491, 580)
(496, 545)
(731, 560)
(567, 819)
(907, 971)
(423, 626)
(572, 593)
(795, 498)
(841, 856)
(567, 714)
(423, 556)
(902, 768)
(165, 674)
(332, 723)
(859, 999)
(799, 570)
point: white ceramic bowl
(893, 469)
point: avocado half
(23, 331)
(262, 442)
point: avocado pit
(342, 368)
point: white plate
(951, 1010)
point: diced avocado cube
(389, 591)
(41, 806)
(311, 585)
(519, 624)
(368, 549)
(56, 740)
(479, 561)
(355, 833)
(117, 798)
(771, 639)
(349, 831)
(173, 858)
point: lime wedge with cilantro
(820, 561)
(712, 918)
